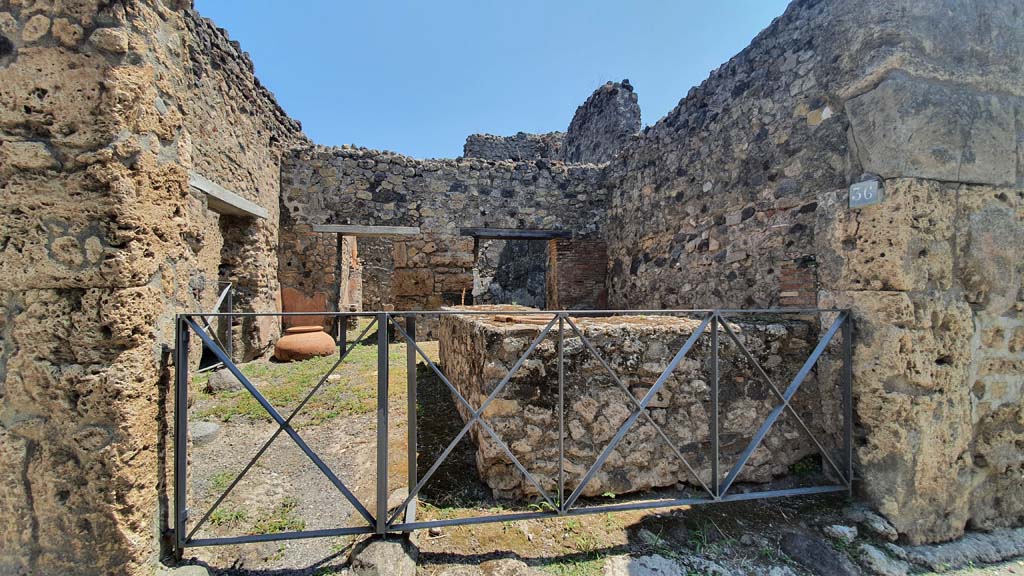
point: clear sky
(418, 76)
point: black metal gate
(403, 325)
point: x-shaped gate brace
(186, 324)
(381, 522)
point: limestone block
(912, 127)
(911, 362)
(58, 98)
(25, 156)
(998, 500)
(904, 243)
(113, 40)
(36, 27)
(990, 234)
(67, 32)
(413, 282)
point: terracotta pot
(302, 342)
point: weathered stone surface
(651, 565)
(842, 533)
(908, 127)
(521, 146)
(603, 124)
(110, 40)
(943, 283)
(478, 351)
(384, 557)
(222, 381)
(973, 548)
(878, 562)
(102, 243)
(815, 555)
(187, 570)
(203, 432)
(500, 567)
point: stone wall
(359, 186)
(600, 128)
(603, 125)
(521, 146)
(511, 272)
(317, 272)
(104, 108)
(738, 198)
(477, 352)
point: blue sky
(418, 76)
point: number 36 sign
(865, 194)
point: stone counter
(476, 352)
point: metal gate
(561, 324)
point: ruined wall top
(600, 128)
(603, 124)
(521, 146)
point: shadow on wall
(511, 272)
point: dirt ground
(284, 491)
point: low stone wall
(477, 352)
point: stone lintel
(368, 231)
(224, 201)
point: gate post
(382, 422)
(714, 406)
(847, 384)
(180, 434)
(410, 329)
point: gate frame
(381, 523)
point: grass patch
(352, 391)
(588, 567)
(221, 480)
(281, 519)
(807, 466)
(228, 516)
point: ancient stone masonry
(512, 271)
(603, 125)
(522, 146)
(738, 197)
(104, 109)
(478, 351)
(358, 186)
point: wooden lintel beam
(514, 233)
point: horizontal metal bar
(419, 525)
(573, 313)
(251, 538)
(624, 507)
(650, 504)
